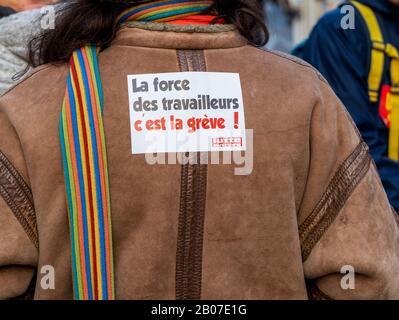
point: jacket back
(312, 203)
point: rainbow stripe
(86, 178)
(84, 157)
(165, 10)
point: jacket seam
(296, 61)
(18, 197)
(347, 177)
(193, 188)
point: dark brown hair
(82, 22)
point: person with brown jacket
(308, 219)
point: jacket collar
(168, 36)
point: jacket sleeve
(348, 231)
(343, 57)
(18, 232)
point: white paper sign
(186, 112)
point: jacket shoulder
(289, 71)
(37, 82)
(294, 63)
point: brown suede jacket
(313, 204)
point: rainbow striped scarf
(84, 157)
(165, 10)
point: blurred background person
(290, 21)
(362, 65)
(15, 32)
(20, 5)
(280, 15)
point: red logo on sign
(227, 142)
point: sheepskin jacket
(312, 219)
